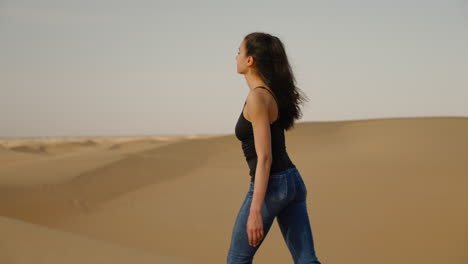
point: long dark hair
(273, 66)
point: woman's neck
(254, 80)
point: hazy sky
(116, 68)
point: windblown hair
(273, 66)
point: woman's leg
(240, 252)
(294, 224)
(295, 227)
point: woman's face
(242, 60)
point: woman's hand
(255, 228)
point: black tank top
(244, 132)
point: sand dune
(24, 242)
(3, 149)
(379, 191)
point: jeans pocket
(277, 189)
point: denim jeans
(285, 199)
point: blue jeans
(285, 199)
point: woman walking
(276, 187)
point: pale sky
(158, 68)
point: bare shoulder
(257, 104)
(257, 97)
(256, 100)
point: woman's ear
(250, 61)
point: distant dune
(3, 149)
(379, 191)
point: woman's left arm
(258, 113)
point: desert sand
(379, 191)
